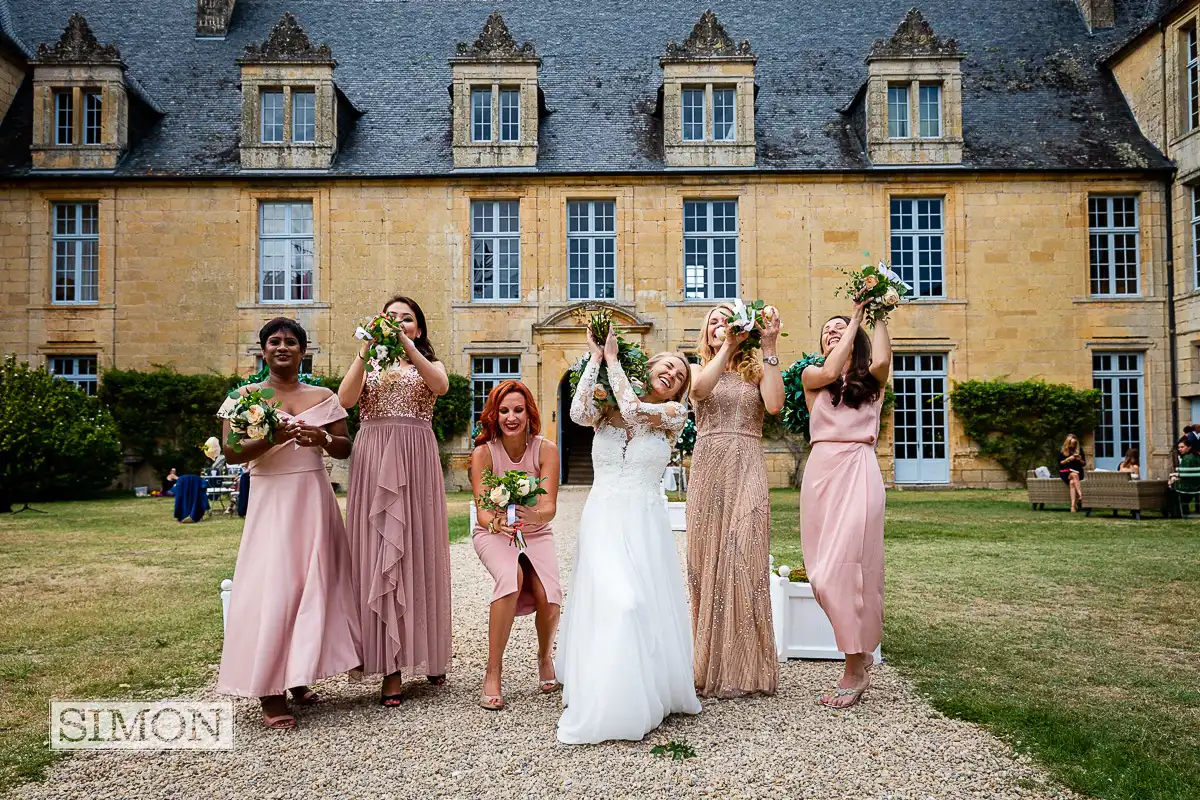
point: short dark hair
(282, 324)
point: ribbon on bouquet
(518, 537)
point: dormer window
(495, 106)
(708, 99)
(304, 115)
(64, 113)
(272, 115)
(93, 117)
(931, 110)
(897, 112)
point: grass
(109, 599)
(1073, 638)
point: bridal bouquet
(795, 415)
(250, 415)
(879, 286)
(750, 319)
(384, 335)
(513, 488)
(631, 356)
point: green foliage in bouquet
(251, 415)
(686, 443)
(632, 357)
(1021, 425)
(56, 442)
(877, 285)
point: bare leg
(275, 712)
(546, 621)
(500, 622)
(1076, 492)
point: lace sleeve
(669, 417)
(583, 405)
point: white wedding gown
(625, 651)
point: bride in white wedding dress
(625, 651)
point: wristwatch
(772, 360)
(328, 437)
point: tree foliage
(452, 414)
(1020, 425)
(55, 441)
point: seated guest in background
(1070, 469)
(169, 483)
(1130, 464)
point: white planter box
(473, 516)
(226, 590)
(801, 628)
(677, 512)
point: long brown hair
(859, 385)
(421, 342)
(744, 363)
(489, 418)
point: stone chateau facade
(170, 181)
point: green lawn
(1075, 639)
(109, 599)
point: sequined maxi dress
(396, 524)
(729, 527)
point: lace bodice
(635, 456)
(396, 392)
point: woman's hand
(611, 347)
(527, 515)
(310, 435)
(405, 342)
(733, 340)
(594, 348)
(770, 334)
(286, 431)
(860, 310)
(499, 525)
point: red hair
(489, 418)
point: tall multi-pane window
(304, 116)
(486, 372)
(510, 115)
(931, 111)
(897, 112)
(710, 246)
(272, 116)
(1119, 378)
(1193, 81)
(285, 252)
(1113, 238)
(693, 115)
(918, 244)
(1196, 236)
(495, 250)
(78, 370)
(64, 118)
(591, 249)
(723, 115)
(76, 245)
(93, 118)
(481, 115)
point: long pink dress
(499, 554)
(841, 508)
(292, 615)
(397, 528)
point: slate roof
(1034, 96)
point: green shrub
(55, 441)
(452, 414)
(1021, 425)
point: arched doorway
(574, 441)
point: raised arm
(669, 417)
(881, 352)
(351, 387)
(583, 405)
(818, 377)
(770, 387)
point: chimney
(1098, 13)
(212, 18)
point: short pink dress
(292, 615)
(841, 530)
(499, 554)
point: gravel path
(441, 744)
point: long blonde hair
(746, 364)
(1070, 445)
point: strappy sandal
(305, 698)
(284, 722)
(550, 686)
(854, 694)
(390, 700)
(436, 680)
(492, 702)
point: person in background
(1130, 464)
(169, 483)
(1181, 491)
(1070, 469)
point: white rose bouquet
(384, 335)
(749, 318)
(506, 492)
(879, 286)
(250, 415)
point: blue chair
(191, 498)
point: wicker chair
(1118, 490)
(1046, 490)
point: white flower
(499, 496)
(362, 333)
(228, 408)
(212, 447)
(770, 312)
(255, 415)
(720, 333)
(381, 352)
(257, 431)
(893, 277)
(739, 308)
(524, 487)
(891, 297)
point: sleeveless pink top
(530, 463)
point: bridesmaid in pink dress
(842, 497)
(396, 510)
(526, 581)
(292, 616)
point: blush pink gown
(841, 508)
(292, 616)
(499, 555)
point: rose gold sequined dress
(729, 537)
(396, 523)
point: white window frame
(1103, 239)
(304, 129)
(705, 243)
(898, 118)
(486, 373)
(295, 243)
(510, 104)
(481, 114)
(590, 236)
(1192, 80)
(920, 418)
(493, 234)
(692, 124)
(79, 250)
(730, 132)
(64, 103)
(1196, 236)
(82, 371)
(934, 117)
(266, 124)
(1119, 368)
(923, 240)
(93, 118)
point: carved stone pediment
(915, 39)
(287, 44)
(708, 42)
(78, 45)
(575, 317)
(495, 44)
